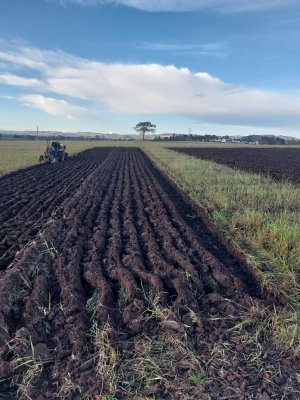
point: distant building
(166, 135)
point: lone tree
(145, 127)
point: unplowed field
(111, 287)
(280, 164)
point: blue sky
(213, 66)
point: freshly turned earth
(106, 225)
(279, 164)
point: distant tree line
(260, 139)
(185, 137)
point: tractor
(54, 153)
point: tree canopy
(145, 127)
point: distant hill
(65, 135)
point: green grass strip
(261, 216)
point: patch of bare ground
(123, 293)
(279, 164)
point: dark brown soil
(279, 164)
(105, 240)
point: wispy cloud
(53, 106)
(192, 5)
(205, 49)
(143, 89)
(7, 97)
(10, 79)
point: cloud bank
(191, 5)
(62, 79)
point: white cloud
(52, 106)
(15, 80)
(147, 89)
(157, 89)
(191, 5)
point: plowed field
(111, 287)
(280, 164)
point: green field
(259, 216)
